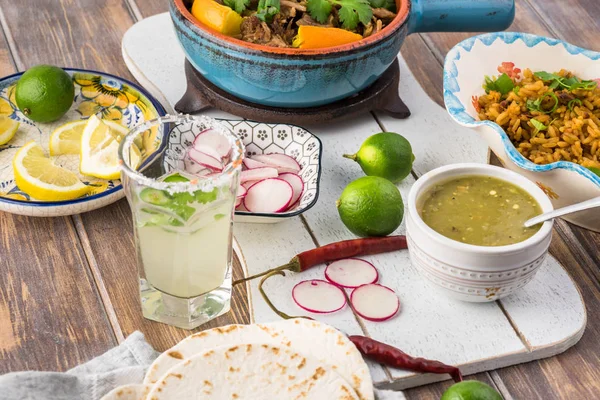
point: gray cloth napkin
(125, 364)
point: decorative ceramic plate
(465, 67)
(291, 140)
(108, 97)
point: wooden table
(68, 288)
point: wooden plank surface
(87, 34)
(51, 317)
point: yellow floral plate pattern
(96, 93)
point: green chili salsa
(479, 210)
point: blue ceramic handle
(461, 15)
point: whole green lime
(387, 155)
(595, 170)
(371, 206)
(471, 390)
(44, 93)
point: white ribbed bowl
(467, 272)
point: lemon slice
(66, 139)
(36, 175)
(8, 128)
(99, 149)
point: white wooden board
(545, 318)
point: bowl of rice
(536, 101)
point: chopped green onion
(536, 105)
(571, 104)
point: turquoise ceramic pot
(295, 78)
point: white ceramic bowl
(466, 64)
(468, 272)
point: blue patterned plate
(104, 95)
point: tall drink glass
(182, 217)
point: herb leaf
(536, 105)
(353, 11)
(538, 125)
(571, 83)
(503, 84)
(319, 10)
(238, 5)
(267, 9)
(387, 4)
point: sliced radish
(238, 202)
(241, 207)
(248, 184)
(297, 185)
(253, 164)
(209, 151)
(280, 161)
(269, 196)
(375, 302)
(351, 272)
(258, 174)
(205, 160)
(213, 139)
(241, 192)
(318, 296)
(194, 168)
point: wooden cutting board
(543, 319)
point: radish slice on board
(375, 302)
(253, 164)
(351, 272)
(209, 151)
(238, 201)
(282, 162)
(297, 185)
(205, 160)
(214, 140)
(241, 192)
(269, 196)
(318, 296)
(258, 174)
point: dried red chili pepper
(396, 358)
(336, 251)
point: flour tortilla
(128, 392)
(251, 372)
(310, 338)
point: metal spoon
(584, 205)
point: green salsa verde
(479, 210)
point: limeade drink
(184, 258)
(181, 185)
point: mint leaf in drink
(206, 197)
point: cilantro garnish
(536, 105)
(503, 84)
(387, 4)
(571, 83)
(237, 5)
(538, 125)
(267, 9)
(351, 12)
